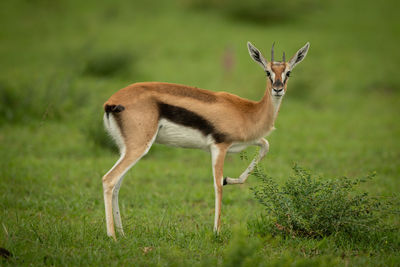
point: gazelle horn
(272, 52)
(283, 58)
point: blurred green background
(61, 60)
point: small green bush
(308, 207)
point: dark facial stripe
(270, 78)
(188, 118)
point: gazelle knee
(265, 146)
(108, 184)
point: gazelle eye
(268, 73)
(288, 74)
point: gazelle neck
(276, 103)
(266, 111)
(270, 104)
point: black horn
(283, 58)
(272, 52)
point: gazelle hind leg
(115, 206)
(264, 147)
(111, 184)
(131, 152)
(110, 180)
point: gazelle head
(278, 72)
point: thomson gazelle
(183, 116)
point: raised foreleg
(264, 147)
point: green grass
(340, 117)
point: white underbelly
(177, 135)
(238, 147)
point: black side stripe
(188, 118)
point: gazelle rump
(184, 116)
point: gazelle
(183, 116)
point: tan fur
(242, 122)
(241, 119)
(278, 68)
(218, 178)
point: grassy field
(60, 60)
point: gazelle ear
(299, 56)
(256, 55)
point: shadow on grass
(258, 11)
(107, 64)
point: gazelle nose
(278, 90)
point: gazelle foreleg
(218, 153)
(264, 147)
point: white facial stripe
(272, 76)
